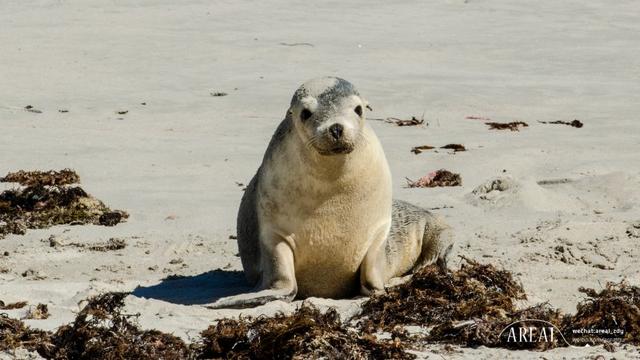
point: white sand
(174, 162)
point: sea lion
(318, 218)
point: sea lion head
(328, 115)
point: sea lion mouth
(344, 149)
(341, 149)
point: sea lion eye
(358, 110)
(305, 114)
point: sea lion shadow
(199, 289)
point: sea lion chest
(329, 224)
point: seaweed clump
(15, 334)
(45, 178)
(433, 297)
(513, 126)
(11, 306)
(102, 331)
(307, 334)
(48, 199)
(472, 306)
(611, 314)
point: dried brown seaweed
(419, 149)
(503, 330)
(11, 306)
(513, 126)
(472, 306)
(614, 312)
(45, 178)
(307, 334)
(102, 331)
(15, 334)
(47, 200)
(454, 147)
(575, 123)
(414, 121)
(436, 297)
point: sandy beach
(123, 95)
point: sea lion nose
(336, 131)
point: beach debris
(40, 312)
(575, 123)
(419, 149)
(306, 334)
(454, 147)
(513, 126)
(437, 178)
(48, 199)
(63, 111)
(14, 334)
(45, 178)
(402, 122)
(494, 329)
(12, 306)
(218, 94)
(438, 297)
(470, 306)
(477, 118)
(122, 112)
(475, 305)
(30, 108)
(616, 308)
(102, 331)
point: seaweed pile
(100, 331)
(476, 306)
(617, 306)
(472, 306)
(50, 198)
(307, 334)
(434, 297)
